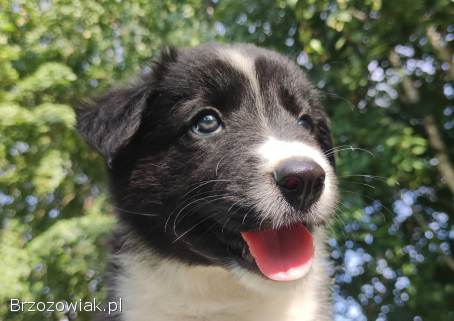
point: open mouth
(279, 254)
(283, 254)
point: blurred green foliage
(386, 71)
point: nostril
(291, 183)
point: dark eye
(306, 122)
(207, 124)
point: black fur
(187, 197)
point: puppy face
(220, 149)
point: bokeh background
(385, 69)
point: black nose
(300, 180)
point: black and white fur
(182, 199)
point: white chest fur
(154, 289)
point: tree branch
(442, 51)
(445, 167)
(441, 152)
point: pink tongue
(284, 254)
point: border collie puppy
(223, 180)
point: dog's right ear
(109, 122)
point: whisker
(233, 205)
(201, 184)
(246, 214)
(193, 227)
(188, 201)
(337, 147)
(133, 212)
(231, 214)
(188, 204)
(351, 148)
(213, 259)
(358, 183)
(212, 198)
(217, 165)
(378, 178)
(372, 200)
(349, 103)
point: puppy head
(221, 153)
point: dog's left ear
(109, 122)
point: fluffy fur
(183, 196)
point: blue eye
(306, 122)
(207, 124)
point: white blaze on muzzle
(274, 151)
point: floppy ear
(109, 122)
